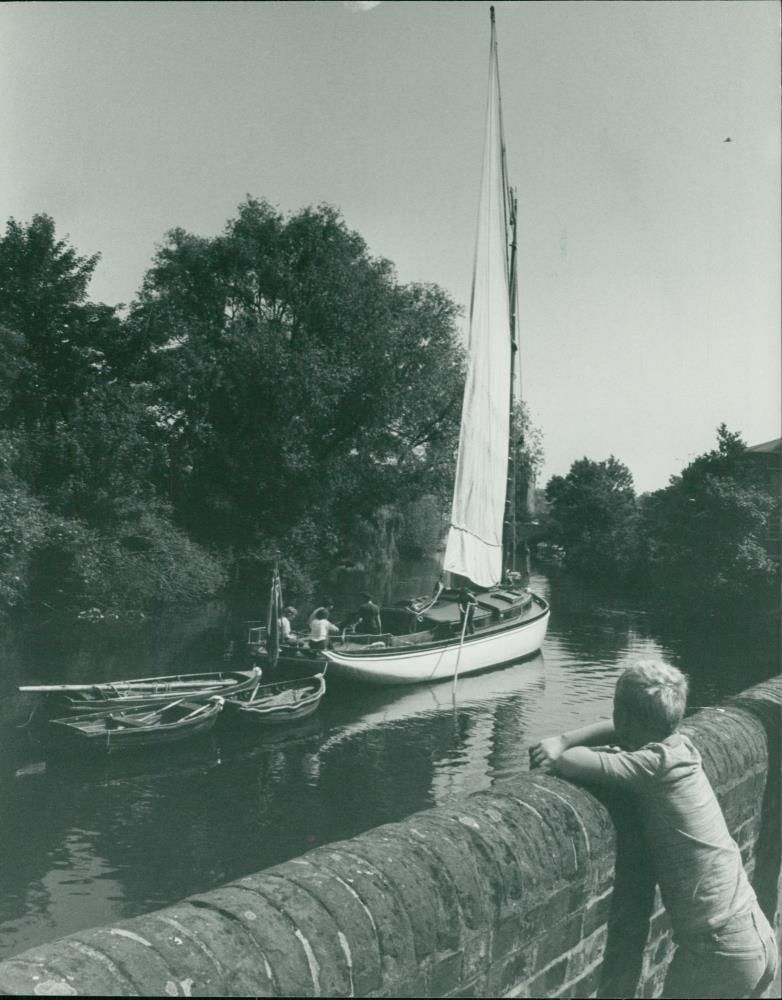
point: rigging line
(459, 652)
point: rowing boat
(138, 728)
(278, 703)
(145, 691)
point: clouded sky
(649, 245)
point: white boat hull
(441, 661)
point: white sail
(474, 546)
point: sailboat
(439, 638)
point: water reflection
(88, 842)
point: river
(95, 842)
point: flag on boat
(475, 538)
(273, 624)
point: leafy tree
(303, 386)
(593, 515)
(708, 534)
(43, 286)
(83, 452)
(23, 526)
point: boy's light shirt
(698, 864)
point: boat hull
(280, 704)
(441, 661)
(147, 692)
(94, 733)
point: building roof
(768, 447)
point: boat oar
(157, 711)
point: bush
(23, 527)
(146, 563)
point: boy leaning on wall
(725, 946)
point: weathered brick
(506, 974)
(550, 911)
(53, 971)
(584, 987)
(596, 913)
(445, 974)
(492, 841)
(558, 939)
(449, 917)
(589, 951)
(314, 928)
(240, 960)
(351, 917)
(408, 879)
(548, 982)
(469, 990)
(391, 921)
(475, 958)
(131, 952)
(662, 951)
(256, 929)
(451, 845)
(507, 937)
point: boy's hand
(545, 753)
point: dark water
(88, 844)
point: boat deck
(497, 611)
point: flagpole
(273, 618)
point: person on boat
(286, 632)
(725, 947)
(326, 605)
(367, 617)
(467, 605)
(320, 630)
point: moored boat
(143, 691)
(436, 650)
(278, 703)
(489, 620)
(138, 728)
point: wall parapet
(537, 888)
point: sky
(649, 259)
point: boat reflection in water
(372, 707)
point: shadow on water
(85, 842)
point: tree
(43, 286)
(707, 534)
(593, 518)
(305, 389)
(83, 453)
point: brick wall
(535, 889)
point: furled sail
(474, 545)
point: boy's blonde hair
(654, 695)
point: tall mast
(509, 540)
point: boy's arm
(579, 764)
(549, 751)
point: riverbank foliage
(274, 388)
(708, 543)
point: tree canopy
(710, 533)
(302, 386)
(592, 517)
(707, 543)
(274, 387)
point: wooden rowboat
(143, 692)
(138, 728)
(278, 703)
